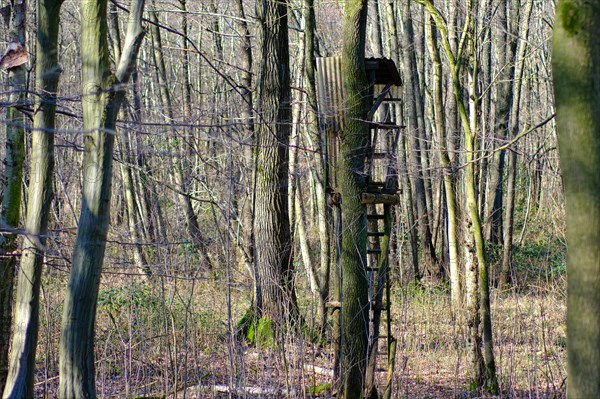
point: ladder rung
(376, 183)
(382, 307)
(379, 198)
(375, 233)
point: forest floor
(155, 339)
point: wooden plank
(378, 198)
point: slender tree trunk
(102, 97)
(246, 204)
(185, 202)
(416, 126)
(316, 138)
(12, 183)
(448, 172)
(513, 128)
(476, 273)
(24, 341)
(131, 206)
(576, 71)
(505, 53)
(402, 159)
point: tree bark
(576, 71)
(316, 138)
(40, 194)
(476, 273)
(103, 93)
(513, 128)
(449, 174)
(275, 298)
(351, 180)
(13, 184)
(402, 159)
(416, 126)
(185, 202)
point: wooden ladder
(380, 200)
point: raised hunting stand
(381, 173)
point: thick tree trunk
(576, 71)
(351, 180)
(102, 97)
(275, 298)
(24, 341)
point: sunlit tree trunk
(476, 279)
(413, 98)
(576, 71)
(131, 206)
(103, 93)
(402, 159)
(183, 196)
(448, 172)
(317, 144)
(12, 181)
(512, 131)
(24, 340)
(245, 204)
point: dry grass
(155, 338)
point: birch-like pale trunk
(10, 213)
(21, 377)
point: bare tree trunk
(414, 98)
(316, 139)
(103, 93)
(131, 206)
(12, 181)
(476, 273)
(351, 181)
(246, 204)
(576, 71)
(185, 202)
(448, 172)
(402, 161)
(275, 297)
(40, 194)
(513, 128)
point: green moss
(319, 390)
(568, 14)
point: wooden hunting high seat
(381, 194)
